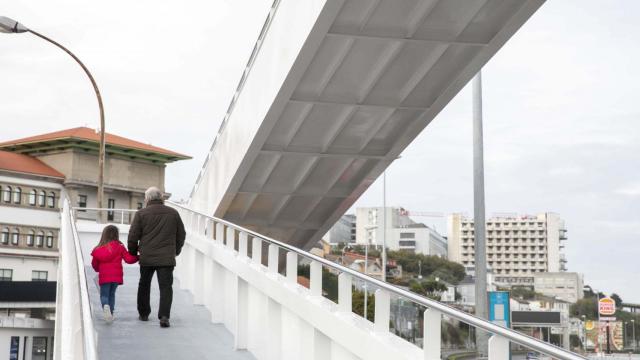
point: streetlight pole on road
(482, 309)
(633, 331)
(8, 25)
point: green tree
(429, 288)
(357, 304)
(617, 299)
(522, 292)
(587, 307)
(428, 266)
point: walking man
(156, 236)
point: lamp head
(11, 26)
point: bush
(432, 266)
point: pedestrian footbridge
(236, 302)
(333, 92)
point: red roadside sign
(606, 306)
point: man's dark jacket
(157, 232)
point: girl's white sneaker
(106, 310)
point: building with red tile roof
(27, 165)
(88, 139)
(71, 156)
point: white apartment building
(517, 246)
(402, 233)
(30, 193)
(567, 286)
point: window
(39, 348)
(49, 239)
(407, 243)
(17, 196)
(39, 239)
(32, 197)
(140, 207)
(31, 237)
(42, 198)
(37, 275)
(6, 195)
(82, 201)
(51, 200)
(6, 274)
(111, 204)
(407, 235)
(15, 236)
(4, 238)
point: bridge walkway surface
(192, 335)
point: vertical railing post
(273, 258)
(344, 292)
(242, 244)
(382, 311)
(292, 267)
(432, 332)
(219, 234)
(498, 348)
(205, 228)
(315, 278)
(256, 250)
(231, 238)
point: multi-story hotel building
(517, 246)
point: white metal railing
(202, 226)
(121, 216)
(75, 336)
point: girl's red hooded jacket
(107, 261)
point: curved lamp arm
(8, 25)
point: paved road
(191, 336)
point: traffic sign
(606, 306)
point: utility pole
(384, 226)
(633, 330)
(482, 337)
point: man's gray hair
(153, 193)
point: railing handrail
(512, 335)
(104, 209)
(89, 344)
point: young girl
(107, 261)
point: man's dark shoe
(143, 318)
(164, 322)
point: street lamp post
(366, 266)
(633, 333)
(8, 25)
(384, 226)
(583, 333)
(482, 309)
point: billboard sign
(536, 318)
(499, 310)
(606, 306)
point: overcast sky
(562, 125)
